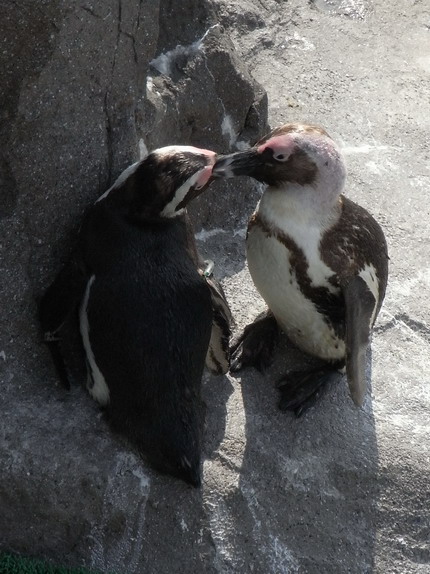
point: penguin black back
(146, 311)
(149, 315)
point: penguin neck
(300, 206)
(122, 205)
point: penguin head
(164, 182)
(290, 155)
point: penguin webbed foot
(54, 347)
(255, 346)
(300, 390)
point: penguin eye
(280, 157)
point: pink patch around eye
(208, 152)
(204, 177)
(281, 145)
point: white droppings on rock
(199, 43)
(205, 234)
(298, 42)
(144, 480)
(163, 62)
(143, 150)
(375, 167)
(240, 232)
(228, 130)
(242, 145)
(281, 557)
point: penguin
(150, 314)
(318, 259)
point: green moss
(13, 564)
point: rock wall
(87, 88)
(339, 490)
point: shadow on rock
(310, 484)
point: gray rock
(79, 102)
(340, 490)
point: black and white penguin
(149, 316)
(318, 259)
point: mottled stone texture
(80, 100)
(341, 490)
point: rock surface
(340, 490)
(99, 84)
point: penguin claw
(259, 357)
(300, 390)
(235, 365)
(299, 406)
(255, 346)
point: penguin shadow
(310, 483)
(216, 392)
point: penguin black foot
(54, 346)
(255, 346)
(301, 389)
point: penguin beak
(204, 178)
(239, 163)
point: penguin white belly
(270, 269)
(96, 384)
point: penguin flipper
(218, 355)
(256, 344)
(55, 306)
(360, 304)
(300, 390)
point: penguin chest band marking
(276, 281)
(99, 389)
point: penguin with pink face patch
(318, 259)
(149, 318)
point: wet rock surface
(339, 490)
